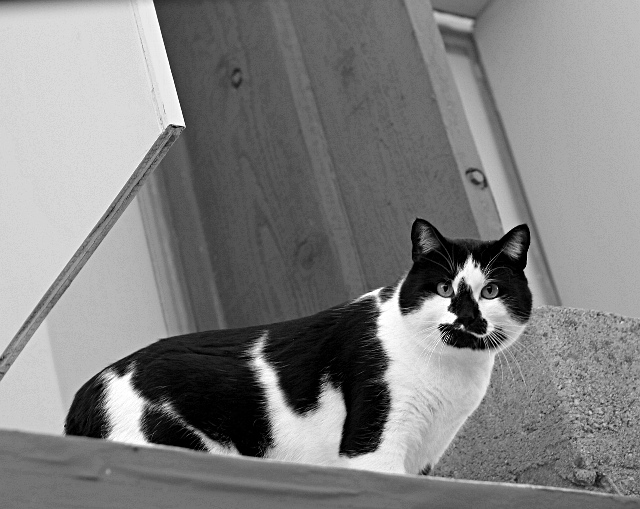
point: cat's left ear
(515, 244)
(425, 238)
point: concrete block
(563, 408)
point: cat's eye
(490, 291)
(444, 289)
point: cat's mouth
(459, 336)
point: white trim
(162, 86)
(445, 20)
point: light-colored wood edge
(171, 280)
(39, 471)
(317, 147)
(163, 90)
(463, 147)
(463, 41)
(62, 282)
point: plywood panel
(88, 110)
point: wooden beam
(38, 471)
(270, 211)
(320, 131)
(395, 125)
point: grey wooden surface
(39, 471)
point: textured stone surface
(562, 410)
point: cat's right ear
(425, 238)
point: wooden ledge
(54, 472)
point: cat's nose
(466, 310)
(467, 319)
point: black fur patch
(160, 428)
(426, 470)
(386, 293)
(86, 416)
(465, 307)
(208, 380)
(460, 339)
(359, 370)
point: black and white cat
(383, 382)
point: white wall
(503, 181)
(30, 397)
(111, 309)
(85, 92)
(566, 80)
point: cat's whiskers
(505, 352)
(442, 266)
(434, 342)
(502, 351)
(489, 269)
(508, 352)
(449, 257)
(501, 368)
(524, 350)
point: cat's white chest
(434, 388)
(444, 395)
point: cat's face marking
(473, 293)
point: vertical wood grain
(399, 142)
(270, 244)
(320, 159)
(317, 132)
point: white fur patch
(434, 388)
(124, 408)
(310, 438)
(473, 277)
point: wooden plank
(40, 471)
(320, 131)
(179, 250)
(317, 146)
(394, 124)
(270, 237)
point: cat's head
(474, 293)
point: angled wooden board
(40, 471)
(89, 109)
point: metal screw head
(477, 177)
(236, 78)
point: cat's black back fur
(208, 379)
